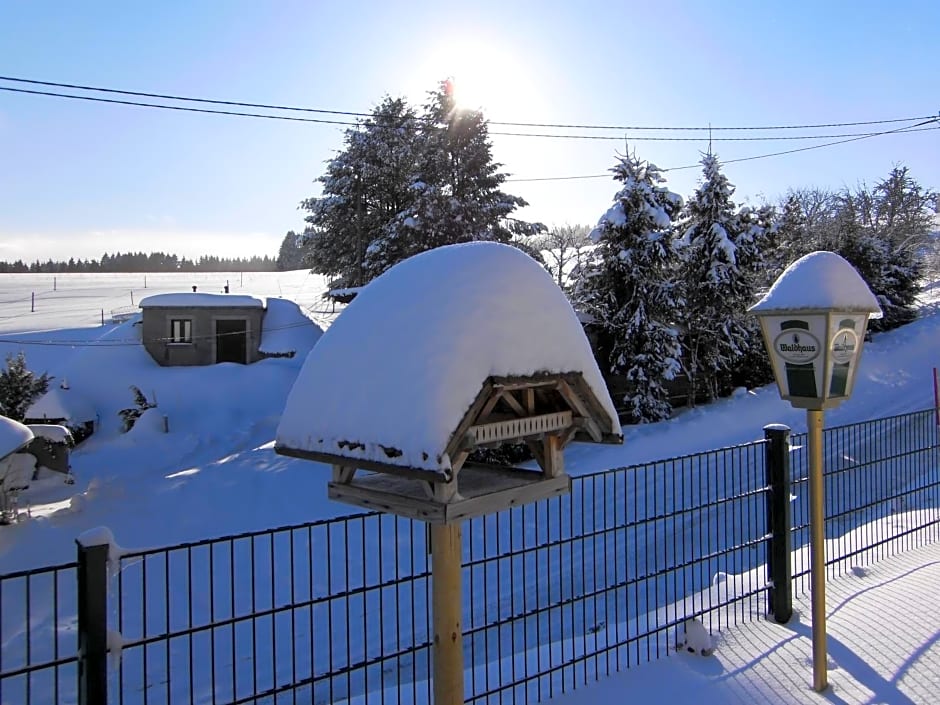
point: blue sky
(78, 179)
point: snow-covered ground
(216, 473)
(883, 626)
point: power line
(636, 138)
(645, 138)
(900, 130)
(180, 108)
(289, 108)
(164, 96)
(134, 342)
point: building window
(181, 330)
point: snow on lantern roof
(13, 436)
(200, 300)
(61, 403)
(819, 280)
(396, 373)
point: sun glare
(483, 77)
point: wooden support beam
(456, 441)
(529, 395)
(513, 404)
(488, 407)
(580, 407)
(554, 461)
(536, 448)
(447, 605)
(343, 474)
(362, 464)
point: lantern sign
(814, 320)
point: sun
(483, 77)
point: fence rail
(556, 593)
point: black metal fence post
(92, 624)
(780, 595)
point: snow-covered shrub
(19, 387)
(130, 415)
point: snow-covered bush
(130, 415)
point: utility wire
(267, 106)
(132, 342)
(645, 138)
(913, 128)
(180, 108)
(637, 138)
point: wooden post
(446, 603)
(817, 527)
(32, 304)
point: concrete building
(202, 329)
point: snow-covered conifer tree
(720, 252)
(365, 186)
(625, 288)
(455, 190)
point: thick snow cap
(819, 280)
(60, 403)
(13, 436)
(198, 300)
(403, 363)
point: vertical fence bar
(780, 595)
(92, 624)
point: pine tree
(720, 252)
(291, 254)
(365, 186)
(19, 387)
(456, 189)
(625, 288)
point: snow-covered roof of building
(819, 280)
(59, 403)
(51, 432)
(201, 300)
(404, 362)
(13, 436)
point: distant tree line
(142, 262)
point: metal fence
(556, 593)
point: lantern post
(813, 320)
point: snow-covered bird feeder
(814, 320)
(454, 350)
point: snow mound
(820, 280)
(403, 363)
(13, 436)
(61, 403)
(282, 317)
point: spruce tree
(365, 186)
(19, 387)
(720, 252)
(626, 289)
(456, 188)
